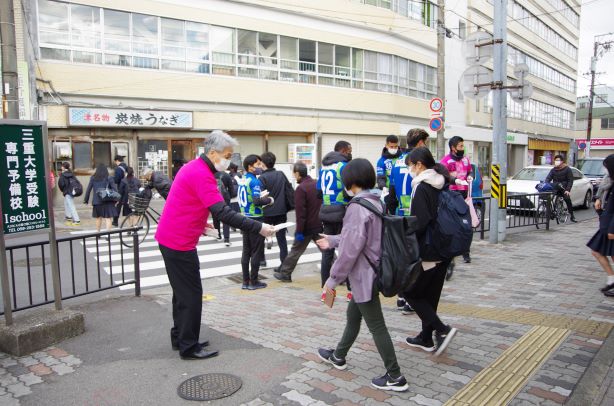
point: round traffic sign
(435, 124)
(436, 104)
(582, 145)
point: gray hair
(218, 141)
(146, 172)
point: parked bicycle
(557, 209)
(142, 215)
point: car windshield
(591, 167)
(535, 174)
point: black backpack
(400, 265)
(75, 187)
(451, 234)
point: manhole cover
(209, 387)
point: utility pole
(499, 118)
(606, 46)
(441, 70)
(10, 91)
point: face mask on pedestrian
(558, 162)
(257, 171)
(393, 151)
(459, 153)
(412, 171)
(222, 164)
(350, 192)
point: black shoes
(400, 303)
(262, 264)
(328, 355)
(256, 285)
(607, 287)
(573, 220)
(419, 342)
(282, 277)
(609, 293)
(201, 354)
(387, 382)
(245, 286)
(202, 345)
(443, 339)
(467, 258)
(407, 309)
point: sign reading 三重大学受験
(128, 118)
(23, 183)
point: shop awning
(546, 145)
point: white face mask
(349, 192)
(557, 162)
(393, 151)
(413, 173)
(222, 165)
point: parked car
(524, 183)
(593, 169)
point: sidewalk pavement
(533, 330)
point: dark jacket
(307, 206)
(428, 186)
(562, 175)
(226, 189)
(382, 178)
(332, 213)
(276, 183)
(162, 183)
(127, 186)
(96, 185)
(606, 219)
(64, 182)
(120, 173)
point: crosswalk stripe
(147, 266)
(158, 280)
(116, 246)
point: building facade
(542, 34)
(149, 79)
(602, 131)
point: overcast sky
(596, 18)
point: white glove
(272, 201)
(461, 182)
(264, 193)
(157, 195)
(267, 230)
(469, 178)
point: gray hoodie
(361, 237)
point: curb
(589, 386)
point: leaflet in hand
(281, 226)
(211, 232)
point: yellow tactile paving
(498, 383)
(519, 316)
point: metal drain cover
(209, 387)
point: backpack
(450, 235)
(222, 188)
(75, 187)
(399, 265)
(289, 194)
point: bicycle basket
(138, 203)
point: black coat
(64, 182)
(226, 189)
(307, 205)
(278, 187)
(120, 173)
(127, 186)
(96, 185)
(162, 183)
(563, 175)
(424, 206)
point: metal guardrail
(523, 210)
(80, 272)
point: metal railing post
(548, 211)
(483, 217)
(137, 267)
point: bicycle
(558, 209)
(140, 217)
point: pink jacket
(459, 169)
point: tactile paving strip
(501, 381)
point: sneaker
(467, 258)
(419, 342)
(219, 237)
(573, 220)
(75, 223)
(323, 297)
(400, 303)
(407, 309)
(281, 277)
(269, 243)
(257, 285)
(68, 219)
(328, 355)
(607, 287)
(387, 382)
(245, 285)
(349, 296)
(443, 339)
(262, 264)
(227, 243)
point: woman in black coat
(129, 185)
(602, 242)
(101, 210)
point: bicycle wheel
(562, 213)
(541, 213)
(134, 220)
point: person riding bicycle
(158, 180)
(562, 179)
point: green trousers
(372, 313)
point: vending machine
(305, 153)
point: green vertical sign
(23, 186)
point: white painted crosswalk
(216, 259)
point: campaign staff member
(193, 196)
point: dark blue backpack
(544, 187)
(450, 235)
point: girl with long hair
(100, 209)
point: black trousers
(298, 248)
(280, 235)
(424, 298)
(183, 270)
(253, 249)
(328, 256)
(218, 225)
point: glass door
(181, 153)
